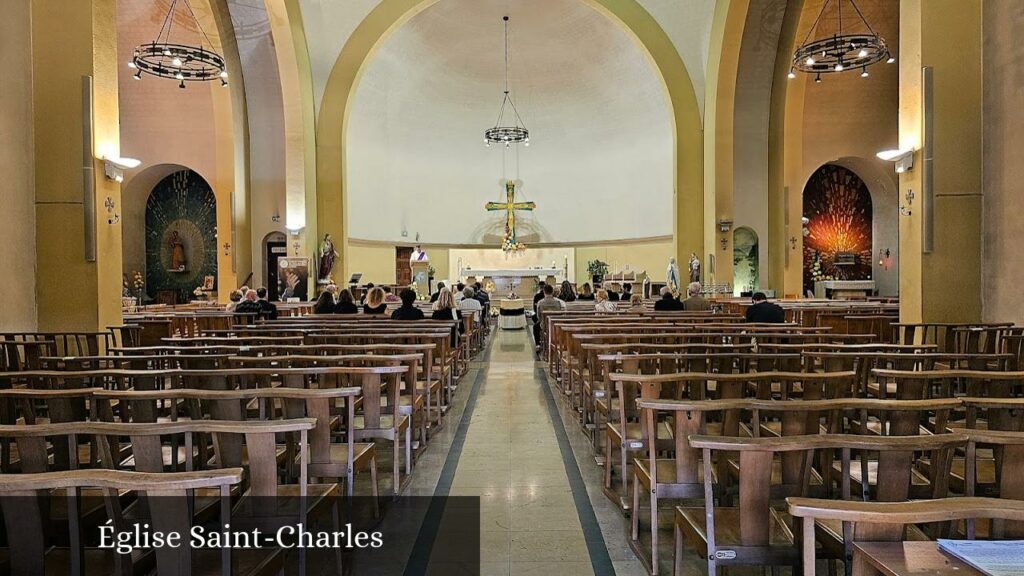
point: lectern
(421, 276)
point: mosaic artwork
(181, 235)
(837, 232)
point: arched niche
(838, 224)
(180, 236)
(746, 267)
(273, 247)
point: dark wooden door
(403, 271)
(275, 251)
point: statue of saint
(177, 253)
(672, 275)
(694, 268)
(327, 256)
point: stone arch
(391, 14)
(746, 260)
(838, 226)
(180, 234)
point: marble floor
(508, 441)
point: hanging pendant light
(840, 50)
(182, 62)
(507, 134)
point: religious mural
(181, 236)
(837, 227)
(745, 260)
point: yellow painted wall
(649, 255)
(71, 39)
(17, 235)
(377, 261)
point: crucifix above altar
(509, 242)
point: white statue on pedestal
(672, 275)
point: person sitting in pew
(694, 301)
(586, 292)
(547, 303)
(668, 302)
(235, 297)
(436, 295)
(470, 305)
(346, 303)
(627, 292)
(603, 302)
(375, 302)
(613, 292)
(444, 309)
(324, 303)
(249, 304)
(267, 309)
(765, 311)
(408, 309)
(389, 296)
(567, 294)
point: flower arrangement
(509, 243)
(138, 281)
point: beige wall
(1003, 82)
(377, 261)
(649, 255)
(153, 130)
(17, 235)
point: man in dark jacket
(764, 311)
(267, 310)
(668, 302)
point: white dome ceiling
(600, 162)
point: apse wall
(600, 163)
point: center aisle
(507, 444)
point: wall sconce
(294, 230)
(276, 217)
(112, 217)
(884, 258)
(113, 168)
(904, 159)
(724, 225)
(905, 210)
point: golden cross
(510, 206)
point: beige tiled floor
(511, 460)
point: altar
(502, 281)
(844, 289)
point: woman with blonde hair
(445, 309)
(636, 300)
(603, 304)
(375, 302)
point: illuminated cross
(510, 206)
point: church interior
(512, 286)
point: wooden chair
(887, 521)
(754, 532)
(30, 555)
(999, 474)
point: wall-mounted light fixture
(112, 217)
(724, 225)
(904, 159)
(294, 230)
(113, 168)
(276, 217)
(884, 258)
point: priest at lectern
(418, 255)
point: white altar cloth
(511, 272)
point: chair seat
(363, 455)
(916, 478)
(407, 403)
(667, 473)
(386, 423)
(727, 532)
(634, 431)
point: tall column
(941, 280)
(78, 265)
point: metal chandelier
(182, 62)
(841, 51)
(505, 134)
